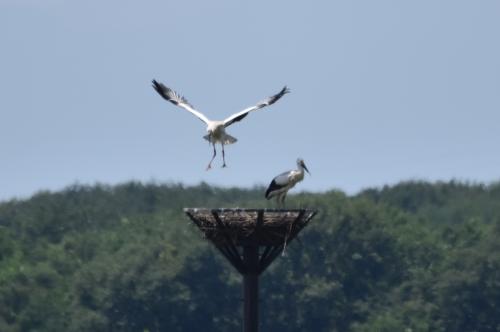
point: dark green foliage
(450, 202)
(413, 257)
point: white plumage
(285, 181)
(216, 129)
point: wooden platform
(250, 239)
(268, 229)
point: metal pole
(251, 289)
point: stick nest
(250, 226)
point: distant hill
(416, 256)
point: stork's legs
(223, 157)
(213, 157)
(283, 196)
(280, 199)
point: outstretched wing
(266, 102)
(178, 100)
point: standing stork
(216, 129)
(285, 181)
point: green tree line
(415, 256)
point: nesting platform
(232, 229)
(250, 239)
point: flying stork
(216, 129)
(285, 181)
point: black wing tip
(157, 85)
(161, 89)
(280, 94)
(268, 191)
(167, 93)
(272, 186)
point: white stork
(285, 181)
(216, 129)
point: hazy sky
(382, 91)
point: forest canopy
(415, 256)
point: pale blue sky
(382, 91)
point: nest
(250, 227)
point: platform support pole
(251, 239)
(251, 289)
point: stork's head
(302, 164)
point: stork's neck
(300, 168)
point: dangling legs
(213, 157)
(223, 157)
